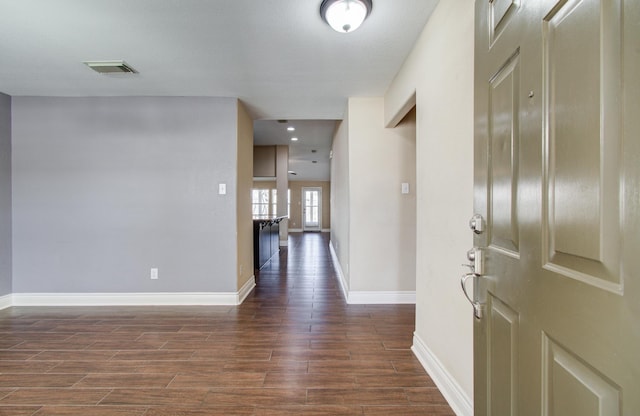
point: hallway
(293, 347)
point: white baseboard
(366, 297)
(326, 230)
(115, 299)
(134, 299)
(284, 243)
(448, 386)
(380, 297)
(341, 277)
(295, 230)
(246, 289)
(5, 301)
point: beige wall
(282, 184)
(295, 221)
(382, 219)
(245, 181)
(264, 161)
(340, 205)
(405, 160)
(438, 74)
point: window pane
(260, 203)
(274, 202)
(264, 196)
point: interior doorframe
(304, 222)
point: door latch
(476, 261)
(476, 266)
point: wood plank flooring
(293, 347)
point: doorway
(312, 209)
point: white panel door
(312, 209)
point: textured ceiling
(277, 56)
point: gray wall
(5, 194)
(106, 188)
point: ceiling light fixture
(294, 139)
(345, 15)
(291, 128)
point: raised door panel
(502, 368)
(504, 90)
(500, 14)
(582, 73)
(572, 387)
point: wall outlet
(154, 273)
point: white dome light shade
(345, 15)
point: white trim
(311, 188)
(245, 290)
(381, 297)
(115, 299)
(137, 299)
(449, 387)
(300, 230)
(341, 278)
(284, 243)
(5, 301)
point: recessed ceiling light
(294, 139)
(291, 128)
(314, 161)
(111, 67)
(314, 151)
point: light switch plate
(222, 189)
(405, 188)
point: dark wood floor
(293, 347)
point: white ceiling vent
(111, 67)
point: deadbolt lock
(477, 224)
